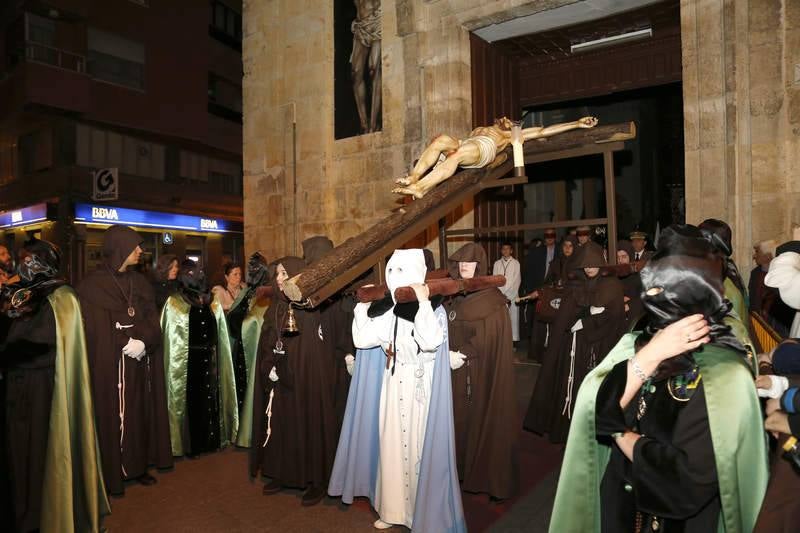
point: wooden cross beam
(358, 254)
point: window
(41, 30)
(226, 24)
(35, 151)
(102, 149)
(222, 176)
(224, 98)
(115, 59)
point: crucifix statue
(445, 154)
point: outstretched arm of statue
(555, 129)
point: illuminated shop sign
(104, 214)
(24, 216)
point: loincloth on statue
(486, 148)
(367, 30)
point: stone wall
(344, 186)
(741, 112)
(742, 116)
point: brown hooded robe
(553, 399)
(484, 401)
(337, 315)
(104, 301)
(303, 438)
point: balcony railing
(54, 57)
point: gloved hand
(771, 386)
(273, 374)
(457, 360)
(596, 310)
(134, 349)
(350, 363)
(577, 326)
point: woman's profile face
(280, 276)
(172, 273)
(234, 277)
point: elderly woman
(665, 432)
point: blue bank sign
(105, 214)
(24, 216)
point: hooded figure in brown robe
(484, 401)
(123, 340)
(294, 418)
(632, 285)
(590, 321)
(337, 317)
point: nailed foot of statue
(410, 191)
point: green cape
(73, 492)
(251, 332)
(738, 300)
(175, 328)
(734, 416)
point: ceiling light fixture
(614, 39)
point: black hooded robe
(104, 302)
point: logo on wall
(167, 238)
(105, 184)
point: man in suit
(639, 242)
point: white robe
(510, 269)
(405, 397)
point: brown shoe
(146, 480)
(273, 487)
(312, 496)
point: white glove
(596, 310)
(779, 384)
(273, 375)
(350, 363)
(577, 326)
(135, 349)
(457, 360)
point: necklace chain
(128, 298)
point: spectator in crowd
(165, 279)
(638, 240)
(761, 295)
(509, 267)
(6, 264)
(229, 294)
(631, 282)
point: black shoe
(312, 496)
(273, 487)
(146, 480)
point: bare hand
(587, 122)
(680, 337)
(773, 404)
(422, 291)
(763, 382)
(778, 422)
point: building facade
(151, 89)
(738, 66)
